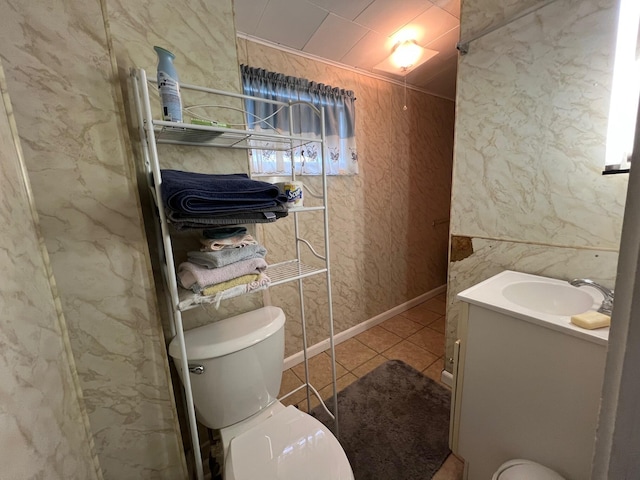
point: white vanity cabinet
(526, 385)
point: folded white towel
(209, 244)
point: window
(625, 90)
(339, 109)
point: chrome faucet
(607, 302)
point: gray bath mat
(394, 424)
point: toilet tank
(242, 358)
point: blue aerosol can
(168, 86)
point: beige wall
(384, 249)
(66, 65)
(60, 60)
(44, 425)
(531, 120)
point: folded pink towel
(196, 277)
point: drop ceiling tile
(349, 9)
(334, 38)
(434, 67)
(451, 6)
(447, 42)
(248, 14)
(444, 83)
(432, 24)
(388, 16)
(369, 51)
(290, 23)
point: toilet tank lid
(229, 335)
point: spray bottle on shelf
(168, 86)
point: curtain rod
(463, 45)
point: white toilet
(235, 379)
(520, 469)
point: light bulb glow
(405, 54)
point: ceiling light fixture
(405, 54)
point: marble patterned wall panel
(485, 14)
(531, 129)
(44, 429)
(202, 36)
(59, 71)
(491, 257)
(531, 120)
(384, 248)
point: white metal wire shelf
(208, 136)
(291, 270)
(154, 132)
(279, 273)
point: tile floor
(416, 337)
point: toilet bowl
(235, 380)
(520, 469)
(288, 445)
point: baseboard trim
(446, 378)
(324, 345)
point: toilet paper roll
(294, 190)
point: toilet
(235, 370)
(521, 469)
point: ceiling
(359, 34)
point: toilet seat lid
(287, 446)
(521, 469)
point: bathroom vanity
(527, 382)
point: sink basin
(544, 301)
(551, 298)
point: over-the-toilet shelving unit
(154, 132)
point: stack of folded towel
(198, 200)
(230, 263)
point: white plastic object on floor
(520, 469)
(288, 446)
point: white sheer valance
(339, 108)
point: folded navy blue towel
(204, 194)
(217, 233)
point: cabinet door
(527, 392)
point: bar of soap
(591, 320)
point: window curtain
(339, 111)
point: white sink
(545, 301)
(547, 297)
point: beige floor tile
(289, 383)
(401, 326)
(430, 340)
(411, 354)
(452, 469)
(421, 314)
(319, 370)
(327, 392)
(369, 365)
(378, 339)
(353, 353)
(436, 305)
(439, 325)
(434, 371)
